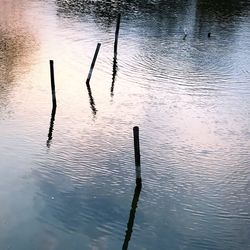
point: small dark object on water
(209, 35)
(184, 38)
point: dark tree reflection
(107, 10)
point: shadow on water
(131, 217)
(51, 127)
(115, 69)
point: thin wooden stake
(52, 78)
(137, 155)
(93, 63)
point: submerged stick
(93, 63)
(117, 33)
(137, 155)
(52, 79)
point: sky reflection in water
(67, 177)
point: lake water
(67, 179)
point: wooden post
(117, 33)
(93, 63)
(52, 78)
(137, 155)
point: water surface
(67, 178)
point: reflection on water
(115, 69)
(190, 98)
(91, 100)
(131, 217)
(115, 54)
(51, 126)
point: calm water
(67, 181)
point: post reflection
(132, 216)
(115, 69)
(91, 99)
(51, 127)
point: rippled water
(67, 179)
